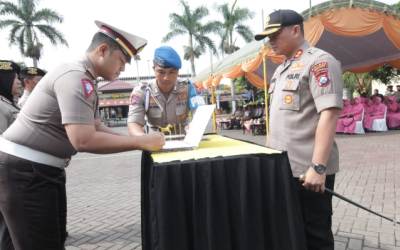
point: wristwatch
(319, 168)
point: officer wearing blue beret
(165, 103)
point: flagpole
(266, 101)
(214, 118)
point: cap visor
(266, 32)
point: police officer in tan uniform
(60, 118)
(306, 99)
(9, 90)
(30, 76)
(165, 103)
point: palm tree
(189, 22)
(233, 19)
(26, 25)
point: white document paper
(196, 130)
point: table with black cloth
(226, 194)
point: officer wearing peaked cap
(29, 76)
(64, 119)
(9, 90)
(305, 102)
(165, 102)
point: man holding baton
(305, 102)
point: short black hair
(100, 38)
(302, 28)
(6, 83)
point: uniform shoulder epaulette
(142, 86)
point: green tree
(397, 6)
(26, 22)
(189, 23)
(385, 73)
(359, 82)
(233, 22)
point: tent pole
(266, 101)
(214, 118)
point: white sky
(148, 18)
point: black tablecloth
(243, 202)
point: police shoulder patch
(321, 73)
(135, 97)
(87, 86)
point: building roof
(117, 85)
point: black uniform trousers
(317, 215)
(32, 205)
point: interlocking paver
(104, 195)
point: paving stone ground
(104, 195)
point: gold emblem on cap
(5, 66)
(267, 21)
(32, 71)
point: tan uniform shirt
(66, 95)
(161, 111)
(300, 89)
(8, 113)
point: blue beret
(166, 57)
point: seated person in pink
(355, 114)
(393, 114)
(375, 111)
(344, 115)
(364, 101)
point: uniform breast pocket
(290, 99)
(181, 112)
(155, 112)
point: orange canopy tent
(361, 34)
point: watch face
(320, 169)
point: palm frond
(21, 42)
(242, 14)
(172, 34)
(211, 27)
(199, 13)
(245, 32)
(9, 22)
(8, 8)
(177, 22)
(204, 42)
(52, 34)
(13, 33)
(47, 15)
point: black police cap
(9, 66)
(32, 71)
(277, 20)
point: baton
(329, 191)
